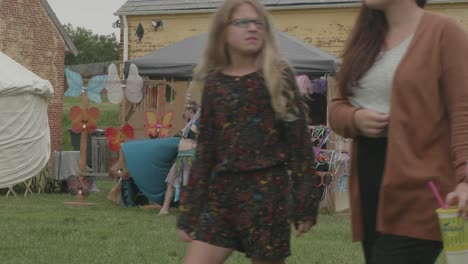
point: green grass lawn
(41, 229)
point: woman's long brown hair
(363, 47)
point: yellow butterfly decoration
(161, 129)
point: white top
(374, 89)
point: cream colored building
(325, 24)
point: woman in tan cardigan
(403, 98)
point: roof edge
(211, 10)
(285, 7)
(69, 45)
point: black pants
(383, 248)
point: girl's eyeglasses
(245, 22)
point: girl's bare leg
(203, 253)
(167, 200)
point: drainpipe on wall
(125, 44)
(124, 59)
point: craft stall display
(314, 93)
(123, 95)
(84, 119)
(146, 107)
(143, 161)
(332, 159)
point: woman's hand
(370, 123)
(460, 194)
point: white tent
(24, 125)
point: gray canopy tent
(179, 59)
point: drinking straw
(437, 194)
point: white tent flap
(24, 127)
(17, 79)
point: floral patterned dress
(240, 194)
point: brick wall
(29, 36)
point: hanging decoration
(133, 86)
(115, 136)
(304, 84)
(76, 186)
(140, 32)
(170, 93)
(76, 88)
(115, 93)
(80, 122)
(331, 164)
(152, 91)
(319, 86)
(158, 128)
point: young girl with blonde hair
(252, 130)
